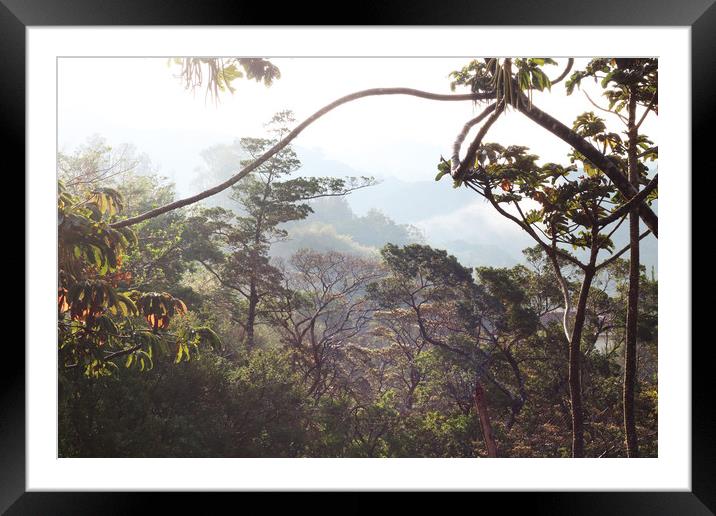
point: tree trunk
(414, 382)
(251, 316)
(481, 406)
(575, 380)
(630, 350)
(517, 405)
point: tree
(96, 316)
(572, 211)
(264, 203)
(397, 326)
(323, 311)
(212, 407)
(629, 83)
(496, 77)
(454, 314)
(633, 81)
(97, 163)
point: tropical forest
(263, 273)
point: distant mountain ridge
(456, 220)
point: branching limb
(621, 117)
(592, 154)
(457, 145)
(528, 229)
(123, 352)
(631, 203)
(290, 137)
(618, 225)
(221, 280)
(341, 193)
(614, 258)
(570, 63)
(460, 168)
(648, 109)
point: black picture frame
(700, 15)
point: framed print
(405, 254)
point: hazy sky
(131, 99)
(140, 101)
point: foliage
(234, 246)
(618, 76)
(97, 312)
(218, 74)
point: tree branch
(527, 228)
(291, 136)
(570, 63)
(600, 160)
(625, 208)
(460, 167)
(613, 258)
(622, 117)
(457, 145)
(648, 108)
(221, 280)
(648, 151)
(123, 352)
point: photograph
(358, 257)
(415, 251)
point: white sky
(140, 100)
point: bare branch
(570, 63)
(622, 117)
(457, 145)
(290, 137)
(460, 167)
(614, 258)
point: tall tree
(234, 248)
(629, 83)
(572, 211)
